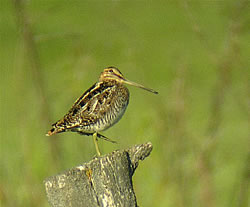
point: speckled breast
(105, 109)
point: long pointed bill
(139, 86)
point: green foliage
(195, 53)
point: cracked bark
(104, 181)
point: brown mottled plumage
(100, 107)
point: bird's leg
(96, 144)
(105, 138)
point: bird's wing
(89, 107)
(97, 106)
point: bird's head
(114, 74)
(111, 74)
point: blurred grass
(195, 53)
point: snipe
(100, 107)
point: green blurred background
(195, 53)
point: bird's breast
(112, 108)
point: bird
(98, 108)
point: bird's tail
(56, 128)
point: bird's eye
(111, 71)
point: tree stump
(104, 181)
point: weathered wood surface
(104, 181)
